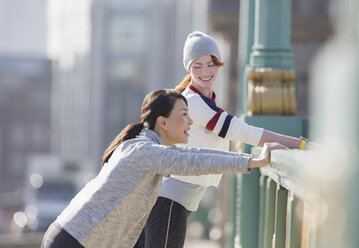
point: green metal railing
(304, 198)
(286, 198)
(303, 202)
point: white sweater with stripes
(214, 128)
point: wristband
(302, 143)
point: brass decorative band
(271, 91)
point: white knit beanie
(198, 44)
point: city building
(25, 86)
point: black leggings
(57, 237)
(166, 225)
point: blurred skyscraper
(25, 85)
(107, 54)
(69, 43)
(136, 47)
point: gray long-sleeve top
(112, 209)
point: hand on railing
(264, 158)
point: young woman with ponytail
(212, 128)
(111, 210)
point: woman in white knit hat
(212, 128)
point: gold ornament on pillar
(271, 91)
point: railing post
(279, 235)
(307, 226)
(293, 225)
(248, 209)
(262, 207)
(269, 213)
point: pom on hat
(198, 44)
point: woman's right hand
(264, 158)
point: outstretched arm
(166, 160)
(205, 113)
(209, 150)
(288, 141)
(169, 161)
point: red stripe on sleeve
(212, 123)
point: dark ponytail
(187, 79)
(157, 103)
(129, 132)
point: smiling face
(203, 73)
(176, 125)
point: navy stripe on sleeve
(225, 126)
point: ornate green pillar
(246, 39)
(270, 73)
(268, 95)
(272, 46)
(244, 226)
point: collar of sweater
(152, 135)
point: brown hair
(187, 79)
(156, 103)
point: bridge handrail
(293, 170)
